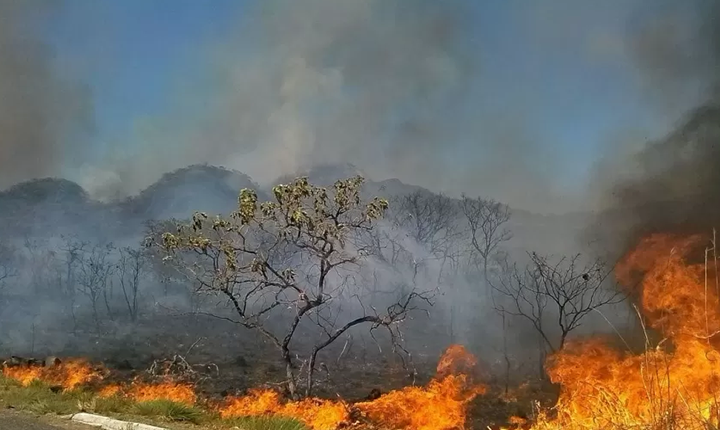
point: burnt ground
(227, 361)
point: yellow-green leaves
(247, 205)
(198, 219)
(302, 217)
(376, 208)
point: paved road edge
(109, 423)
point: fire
(166, 390)
(24, 375)
(144, 392)
(68, 375)
(442, 405)
(672, 385)
(110, 390)
(316, 413)
(456, 360)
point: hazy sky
(516, 99)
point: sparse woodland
(307, 285)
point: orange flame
(673, 385)
(69, 375)
(110, 390)
(166, 390)
(316, 413)
(442, 405)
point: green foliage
(248, 255)
(39, 398)
(301, 213)
(111, 405)
(266, 423)
(169, 410)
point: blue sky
(134, 53)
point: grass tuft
(169, 410)
(266, 423)
(39, 398)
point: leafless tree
(289, 259)
(428, 218)
(8, 263)
(71, 258)
(487, 221)
(432, 221)
(174, 278)
(8, 269)
(40, 261)
(131, 268)
(554, 297)
(94, 272)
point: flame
(316, 413)
(442, 405)
(673, 385)
(110, 390)
(165, 390)
(69, 374)
(24, 375)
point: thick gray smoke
(673, 183)
(387, 85)
(43, 116)
(369, 82)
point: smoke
(672, 183)
(387, 85)
(301, 83)
(42, 115)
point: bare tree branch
(570, 289)
(290, 258)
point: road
(10, 420)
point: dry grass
(40, 398)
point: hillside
(50, 207)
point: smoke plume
(672, 184)
(42, 115)
(386, 85)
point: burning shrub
(674, 385)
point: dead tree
(94, 272)
(131, 269)
(554, 297)
(486, 221)
(8, 263)
(429, 218)
(288, 259)
(432, 222)
(174, 278)
(8, 270)
(70, 260)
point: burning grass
(440, 405)
(672, 385)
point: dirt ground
(14, 420)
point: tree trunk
(311, 373)
(292, 388)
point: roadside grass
(40, 398)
